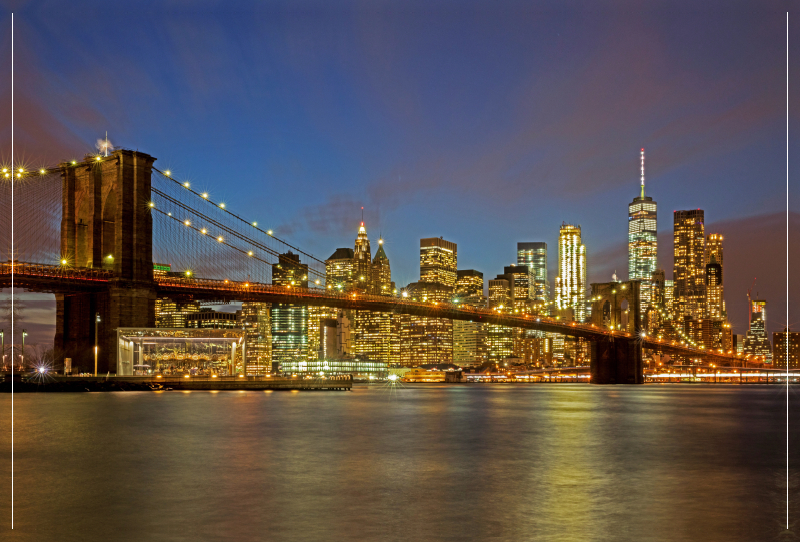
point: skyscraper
(715, 303)
(255, 319)
(534, 255)
(642, 242)
(289, 322)
(689, 265)
(469, 344)
(571, 279)
(362, 261)
(756, 342)
(438, 261)
(786, 349)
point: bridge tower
(617, 360)
(106, 223)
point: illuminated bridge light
(221, 205)
(151, 204)
(219, 238)
(249, 252)
(204, 194)
(187, 223)
(167, 173)
(203, 231)
(269, 232)
(186, 184)
(42, 171)
(255, 224)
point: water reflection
(423, 462)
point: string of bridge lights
(221, 205)
(220, 239)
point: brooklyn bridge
(90, 231)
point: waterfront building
(426, 340)
(534, 256)
(642, 241)
(171, 313)
(756, 342)
(257, 325)
(689, 264)
(715, 303)
(289, 321)
(469, 340)
(786, 349)
(571, 280)
(438, 261)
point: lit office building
(642, 241)
(289, 322)
(382, 273)
(716, 334)
(438, 261)
(756, 342)
(208, 318)
(170, 313)
(469, 343)
(257, 325)
(786, 349)
(339, 269)
(362, 261)
(500, 339)
(689, 265)
(426, 340)
(571, 280)
(715, 304)
(534, 256)
(519, 277)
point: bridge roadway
(58, 279)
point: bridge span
(90, 231)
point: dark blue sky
(486, 123)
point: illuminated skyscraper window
(689, 271)
(571, 279)
(438, 261)
(534, 255)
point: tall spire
(642, 173)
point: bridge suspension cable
(222, 207)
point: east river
(413, 462)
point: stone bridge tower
(106, 223)
(617, 360)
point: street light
(96, 321)
(24, 334)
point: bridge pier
(617, 360)
(106, 223)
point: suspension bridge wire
(234, 215)
(224, 228)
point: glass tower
(534, 255)
(642, 242)
(438, 261)
(571, 279)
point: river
(513, 462)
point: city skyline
(395, 149)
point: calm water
(475, 462)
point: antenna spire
(642, 173)
(362, 215)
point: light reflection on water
(417, 462)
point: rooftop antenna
(362, 215)
(642, 173)
(106, 143)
